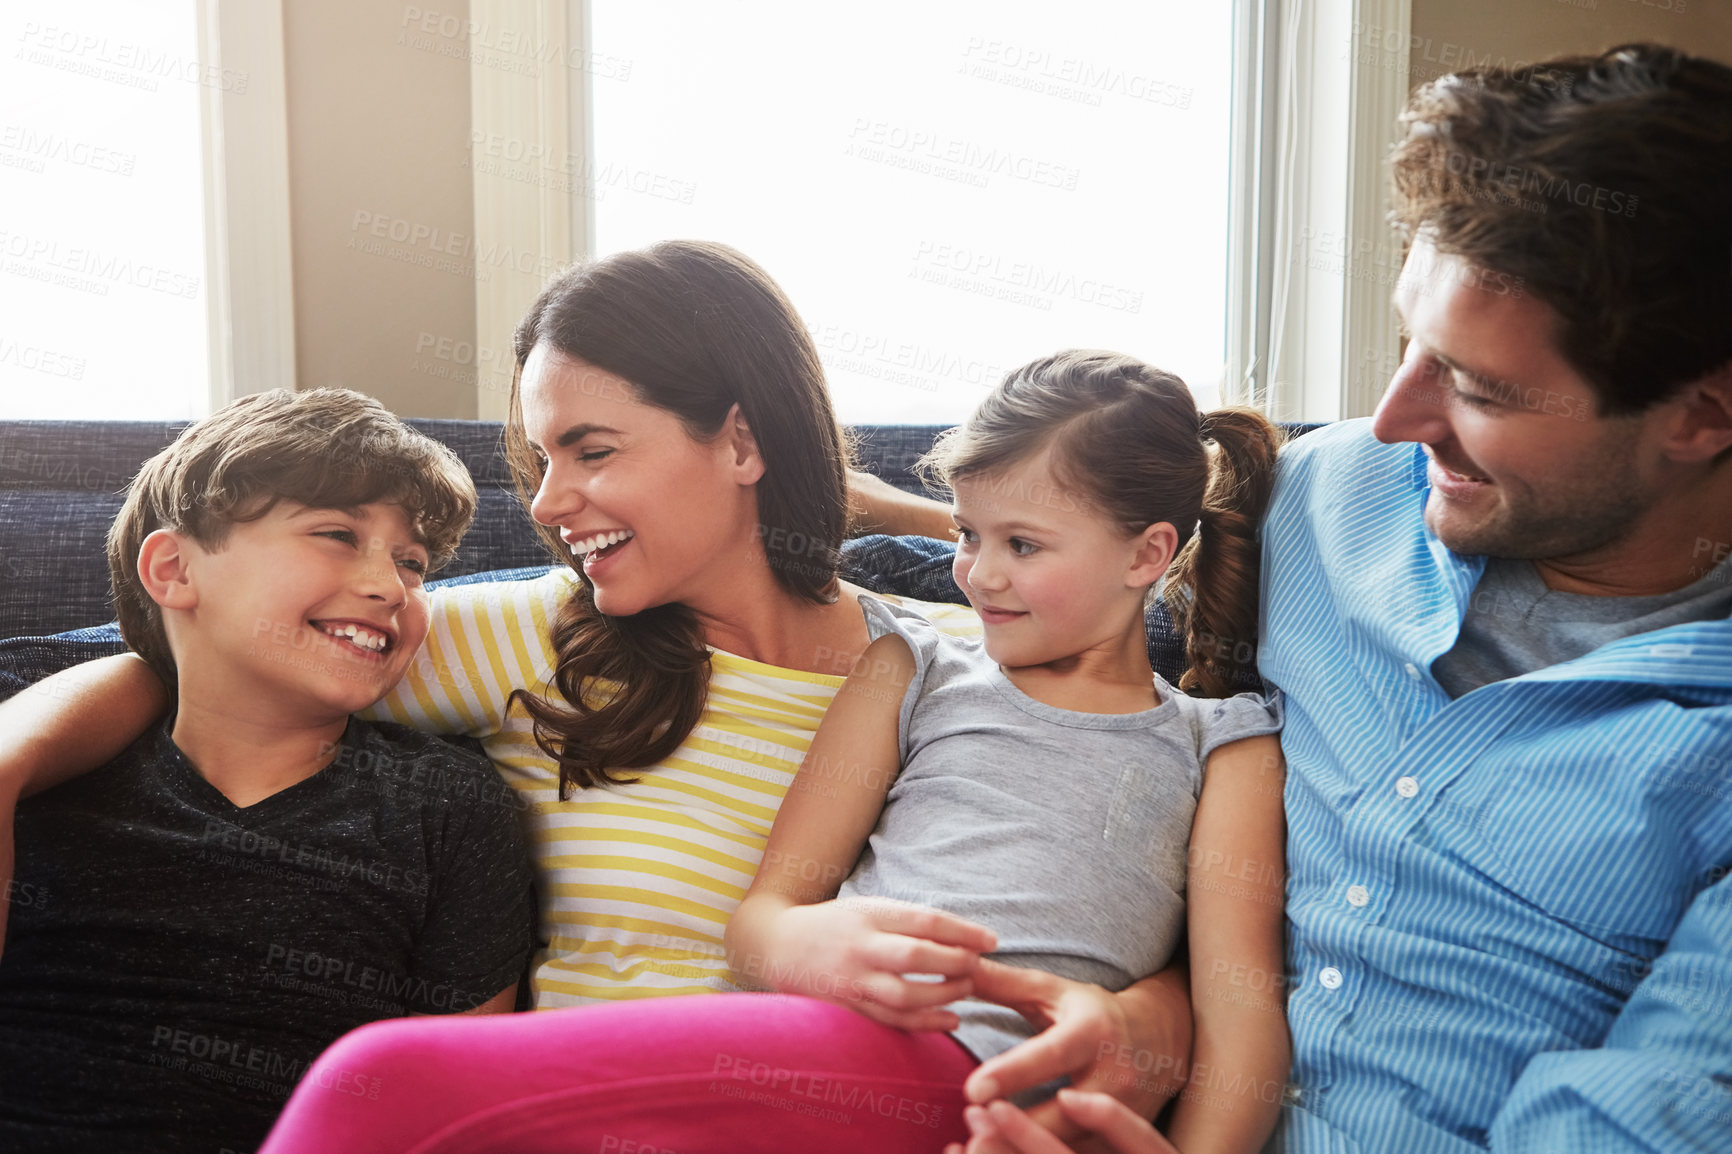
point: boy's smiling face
(313, 612)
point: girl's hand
(1132, 1051)
(859, 953)
(1117, 1129)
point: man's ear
(1703, 428)
(163, 569)
(1154, 551)
(747, 462)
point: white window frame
(249, 262)
(1308, 149)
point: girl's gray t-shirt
(1064, 833)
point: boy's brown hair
(324, 448)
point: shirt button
(1407, 786)
(1330, 977)
(1412, 669)
(1358, 895)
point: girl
(1042, 784)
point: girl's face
(1049, 573)
(652, 515)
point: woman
(670, 432)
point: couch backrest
(61, 484)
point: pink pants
(728, 1073)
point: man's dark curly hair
(1605, 184)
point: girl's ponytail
(1217, 575)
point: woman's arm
(66, 725)
(1235, 893)
(788, 934)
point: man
(1499, 614)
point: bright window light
(102, 261)
(945, 191)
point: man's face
(1522, 464)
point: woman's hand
(8, 814)
(66, 725)
(859, 953)
(1131, 1046)
(1112, 1126)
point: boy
(261, 873)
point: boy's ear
(747, 462)
(1154, 549)
(163, 570)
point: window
(102, 248)
(944, 191)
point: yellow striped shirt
(637, 881)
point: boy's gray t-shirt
(1064, 833)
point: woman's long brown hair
(1127, 441)
(696, 328)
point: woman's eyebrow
(578, 432)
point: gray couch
(61, 483)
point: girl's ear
(1153, 551)
(745, 460)
(164, 572)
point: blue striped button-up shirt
(1510, 923)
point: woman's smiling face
(651, 514)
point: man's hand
(1112, 1125)
(877, 506)
(1088, 1034)
(859, 953)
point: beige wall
(381, 201)
(1519, 32)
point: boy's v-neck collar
(184, 776)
